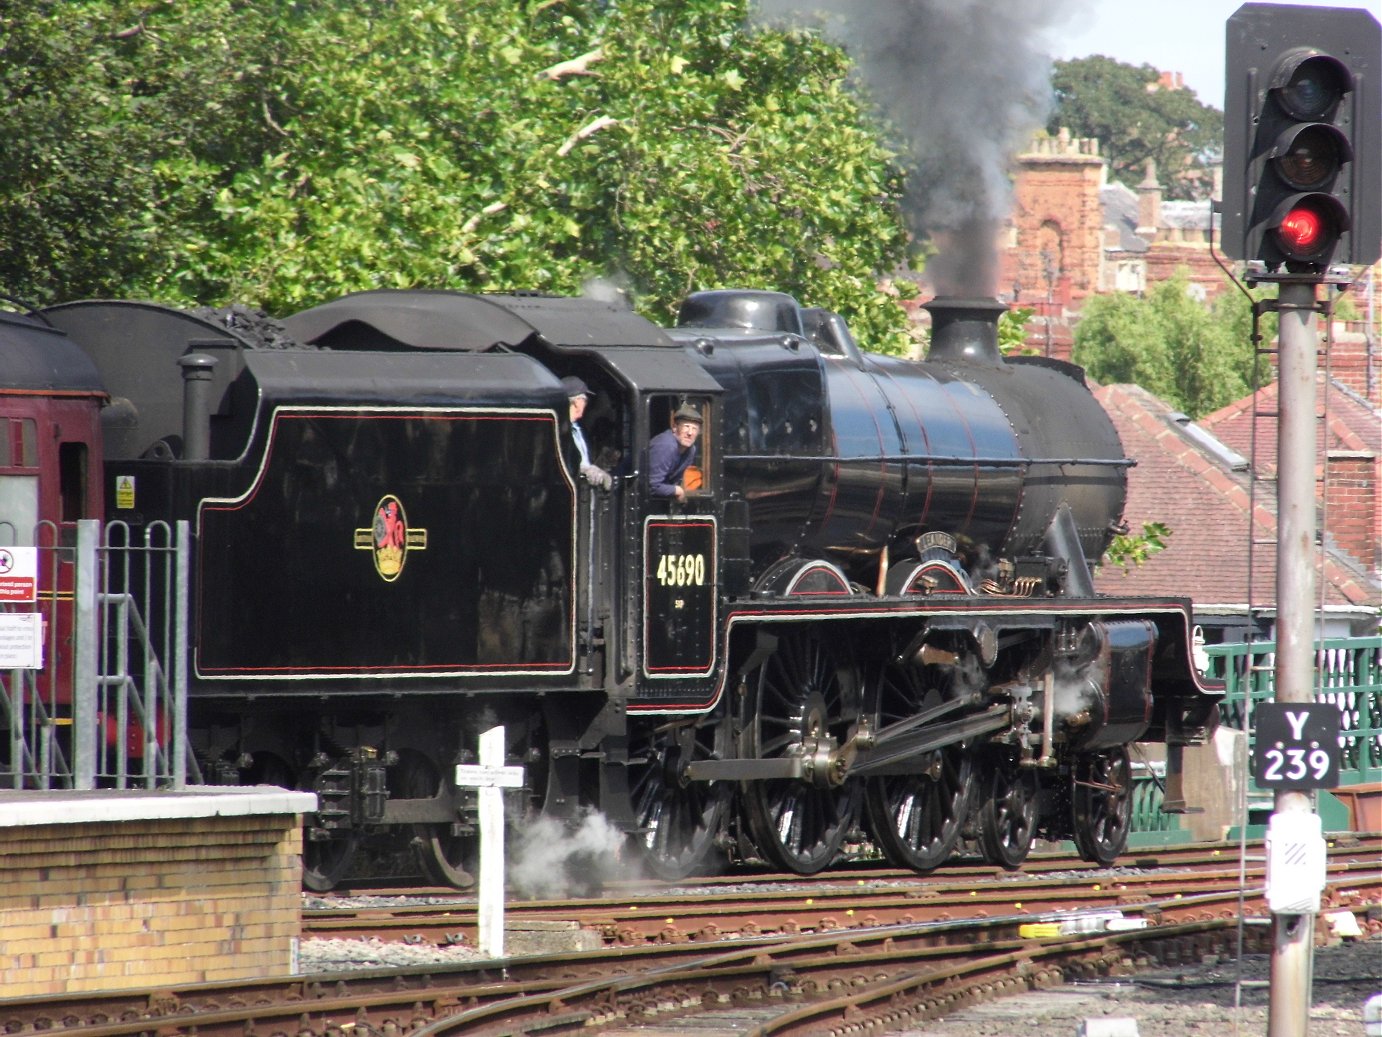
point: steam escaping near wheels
(553, 859)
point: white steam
(550, 859)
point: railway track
(1201, 886)
(841, 971)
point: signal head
(1302, 173)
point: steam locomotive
(871, 617)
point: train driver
(672, 452)
(577, 394)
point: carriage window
(19, 443)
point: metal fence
(107, 708)
(1348, 673)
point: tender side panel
(386, 544)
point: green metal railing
(1348, 673)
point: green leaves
(1195, 356)
(283, 154)
(1127, 550)
(1135, 120)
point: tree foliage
(281, 154)
(1196, 357)
(1135, 120)
(90, 99)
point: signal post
(1302, 192)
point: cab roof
(392, 320)
(38, 358)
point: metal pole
(177, 665)
(1293, 935)
(85, 620)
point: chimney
(1352, 514)
(1149, 204)
(965, 329)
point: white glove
(597, 476)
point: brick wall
(118, 905)
(1055, 248)
(1353, 514)
(1354, 362)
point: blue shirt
(667, 462)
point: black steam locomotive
(873, 612)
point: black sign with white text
(1297, 745)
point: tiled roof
(1352, 424)
(1183, 484)
(1120, 212)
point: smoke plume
(963, 83)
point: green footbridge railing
(1348, 673)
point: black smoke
(963, 84)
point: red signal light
(1301, 230)
(1308, 226)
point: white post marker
(489, 776)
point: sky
(1185, 36)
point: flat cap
(575, 387)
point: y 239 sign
(1297, 745)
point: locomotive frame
(875, 614)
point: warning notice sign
(21, 641)
(18, 573)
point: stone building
(1073, 234)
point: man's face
(577, 407)
(686, 432)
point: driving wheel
(916, 819)
(679, 820)
(802, 696)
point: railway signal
(1303, 137)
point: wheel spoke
(1101, 799)
(1008, 814)
(917, 819)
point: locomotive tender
(873, 613)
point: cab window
(663, 412)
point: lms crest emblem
(390, 538)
